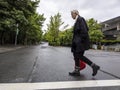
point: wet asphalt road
(44, 63)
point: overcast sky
(101, 10)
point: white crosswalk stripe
(59, 85)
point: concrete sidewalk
(4, 49)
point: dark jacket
(80, 41)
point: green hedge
(110, 41)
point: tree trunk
(25, 39)
(2, 38)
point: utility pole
(17, 31)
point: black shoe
(95, 69)
(74, 73)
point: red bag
(82, 65)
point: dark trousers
(80, 56)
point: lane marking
(59, 85)
(110, 74)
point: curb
(12, 49)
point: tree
(52, 34)
(95, 32)
(21, 13)
(66, 37)
(33, 30)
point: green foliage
(110, 41)
(23, 13)
(66, 37)
(34, 31)
(52, 34)
(95, 32)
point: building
(111, 28)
